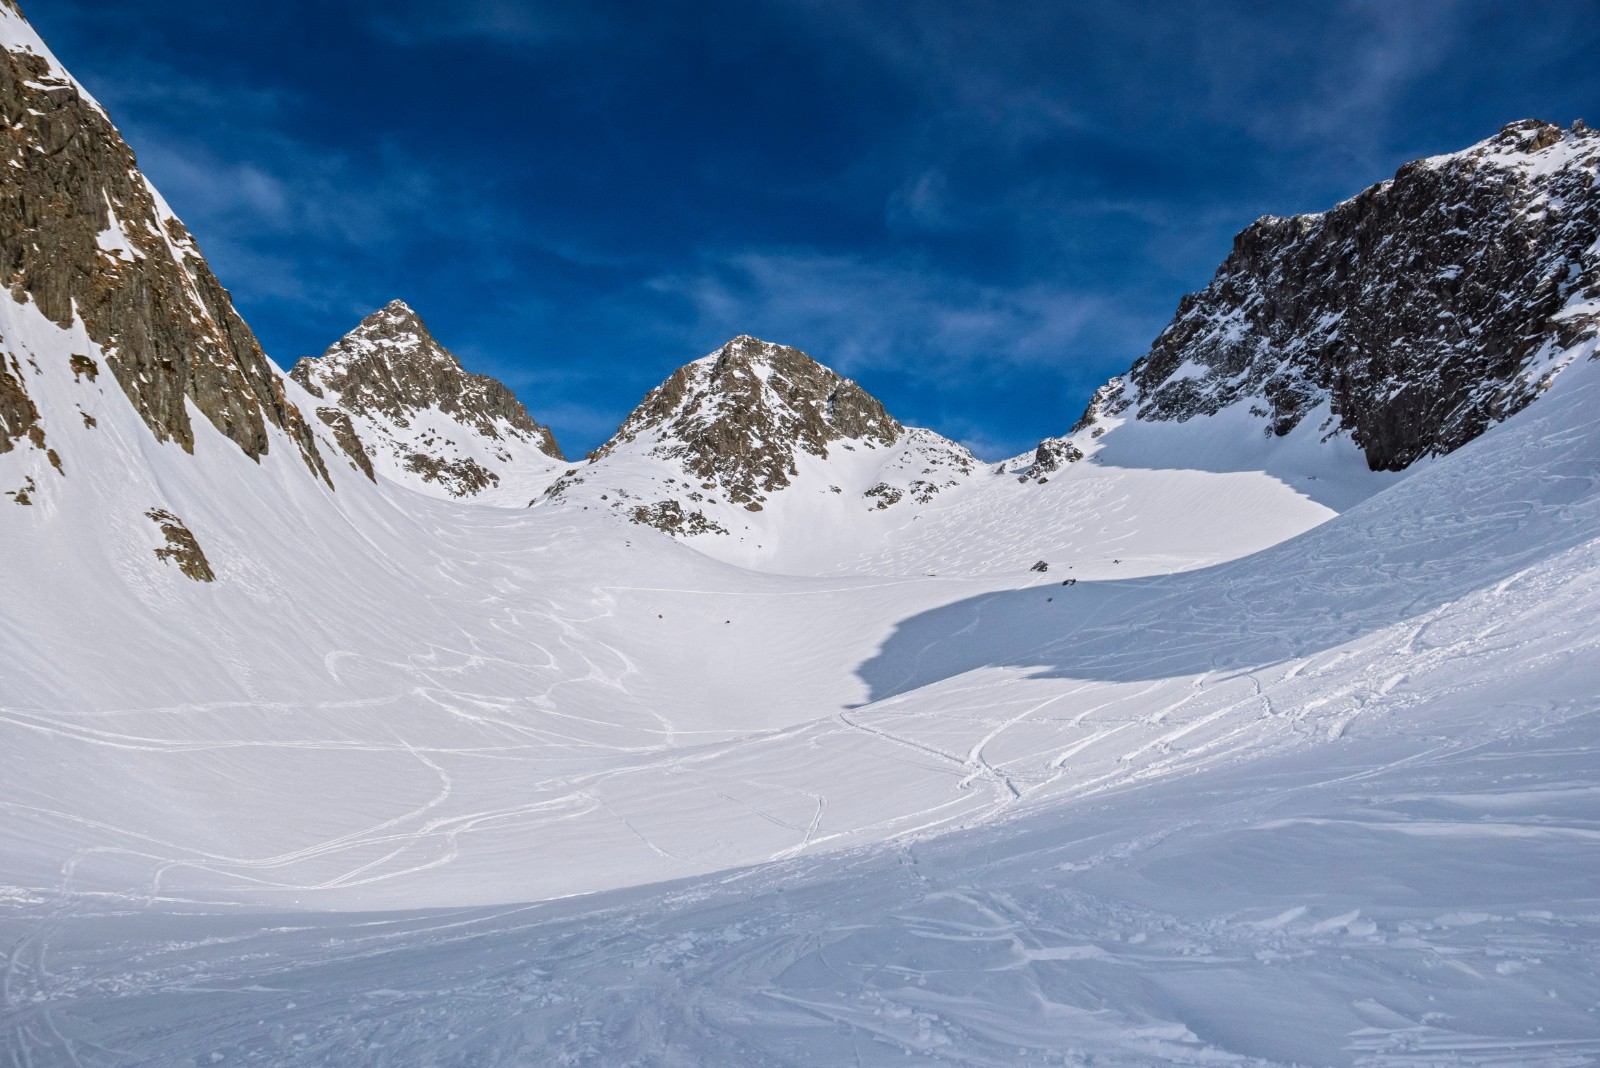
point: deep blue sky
(980, 210)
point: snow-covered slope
(1280, 761)
(405, 407)
(760, 456)
(1333, 803)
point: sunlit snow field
(418, 782)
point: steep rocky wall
(1415, 309)
(81, 230)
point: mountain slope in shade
(409, 409)
(1405, 320)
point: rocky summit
(739, 417)
(390, 390)
(1411, 317)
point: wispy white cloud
(861, 314)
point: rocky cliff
(1414, 315)
(391, 391)
(84, 236)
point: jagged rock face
(19, 416)
(182, 548)
(389, 372)
(737, 418)
(82, 232)
(1420, 311)
(344, 432)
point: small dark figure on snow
(1041, 566)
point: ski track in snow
(446, 798)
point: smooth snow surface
(1266, 785)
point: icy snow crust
(1267, 785)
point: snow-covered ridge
(400, 401)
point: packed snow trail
(391, 701)
(1393, 902)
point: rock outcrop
(83, 235)
(182, 548)
(1053, 454)
(392, 391)
(738, 419)
(1420, 312)
(19, 416)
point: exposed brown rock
(390, 369)
(1414, 309)
(344, 432)
(182, 548)
(884, 495)
(1053, 454)
(670, 516)
(392, 365)
(146, 296)
(736, 418)
(19, 416)
(462, 476)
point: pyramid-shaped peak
(744, 413)
(394, 318)
(394, 335)
(390, 369)
(751, 355)
(1531, 143)
(745, 347)
(747, 343)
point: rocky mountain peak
(390, 385)
(1412, 316)
(85, 237)
(740, 417)
(394, 334)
